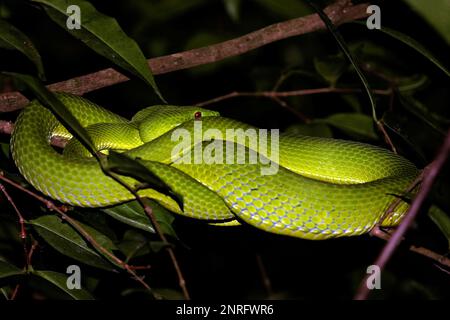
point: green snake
(323, 188)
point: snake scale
(323, 188)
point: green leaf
(311, 129)
(134, 244)
(354, 124)
(67, 241)
(60, 280)
(232, 7)
(13, 38)
(4, 149)
(155, 12)
(50, 100)
(436, 15)
(345, 49)
(435, 121)
(413, 83)
(96, 219)
(131, 213)
(115, 161)
(330, 68)
(169, 294)
(442, 220)
(124, 165)
(8, 270)
(352, 101)
(104, 35)
(413, 44)
(286, 8)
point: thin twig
(15, 292)
(293, 93)
(429, 177)
(159, 232)
(398, 200)
(25, 269)
(23, 232)
(51, 206)
(7, 127)
(297, 113)
(387, 139)
(439, 258)
(339, 12)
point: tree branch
(339, 12)
(429, 176)
(50, 205)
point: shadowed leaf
(345, 49)
(442, 220)
(330, 68)
(134, 215)
(67, 241)
(413, 44)
(354, 124)
(13, 38)
(436, 15)
(103, 35)
(8, 270)
(60, 280)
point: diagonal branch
(83, 232)
(429, 176)
(339, 12)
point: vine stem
(429, 175)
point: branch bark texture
(339, 12)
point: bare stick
(429, 177)
(339, 12)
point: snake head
(156, 120)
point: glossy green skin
(324, 188)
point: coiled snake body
(323, 188)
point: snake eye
(197, 115)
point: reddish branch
(439, 258)
(6, 127)
(429, 176)
(83, 232)
(339, 12)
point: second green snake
(323, 188)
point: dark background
(222, 263)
